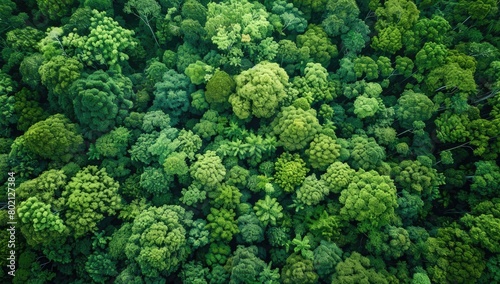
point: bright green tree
(89, 197)
(370, 199)
(259, 91)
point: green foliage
(225, 196)
(172, 94)
(188, 143)
(39, 224)
(155, 181)
(194, 272)
(289, 17)
(193, 195)
(118, 116)
(90, 196)
(365, 107)
(268, 211)
(175, 164)
(158, 243)
(244, 265)
(105, 44)
(388, 40)
(57, 74)
(100, 101)
(221, 224)
(217, 254)
(290, 171)
(144, 10)
(370, 199)
(235, 26)
(219, 87)
(29, 69)
(391, 243)
(113, 143)
(259, 91)
(119, 240)
(295, 127)
(55, 9)
(253, 148)
(208, 169)
(431, 56)
(321, 49)
(199, 72)
(250, 229)
(450, 76)
(9, 20)
(46, 187)
(338, 176)
(315, 84)
(416, 177)
(486, 178)
(357, 269)
(54, 138)
(451, 258)
(199, 236)
(413, 107)
(341, 17)
(209, 125)
(312, 191)
(100, 267)
(365, 153)
(326, 256)
(367, 66)
(28, 109)
(483, 227)
(298, 270)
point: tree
(54, 138)
(417, 176)
(321, 49)
(172, 94)
(89, 197)
(413, 107)
(58, 74)
(451, 257)
(222, 224)
(39, 224)
(158, 243)
(289, 18)
(485, 180)
(219, 87)
(250, 229)
(391, 243)
(100, 101)
(431, 56)
(365, 153)
(295, 127)
(315, 84)
(259, 91)
(268, 211)
(208, 169)
(144, 10)
(370, 199)
(357, 269)
(54, 9)
(326, 256)
(312, 191)
(338, 176)
(298, 270)
(105, 44)
(322, 151)
(290, 171)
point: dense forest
(299, 141)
